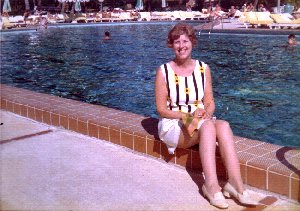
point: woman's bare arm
(209, 103)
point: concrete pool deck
(49, 168)
(113, 160)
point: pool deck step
(263, 165)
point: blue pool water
(255, 77)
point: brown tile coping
(263, 165)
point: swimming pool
(255, 77)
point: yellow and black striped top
(185, 94)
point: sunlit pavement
(49, 168)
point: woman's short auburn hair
(180, 29)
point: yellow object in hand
(190, 122)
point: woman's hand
(202, 114)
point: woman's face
(183, 47)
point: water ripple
(255, 78)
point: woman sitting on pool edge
(185, 103)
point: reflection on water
(255, 78)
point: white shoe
(218, 200)
(244, 198)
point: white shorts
(169, 132)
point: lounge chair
(125, 16)
(186, 15)
(60, 18)
(7, 24)
(238, 14)
(263, 18)
(116, 15)
(284, 20)
(18, 21)
(105, 16)
(257, 19)
(145, 16)
(69, 17)
(80, 18)
(176, 16)
(134, 15)
(200, 16)
(244, 18)
(51, 18)
(160, 16)
(98, 17)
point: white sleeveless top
(185, 94)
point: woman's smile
(182, 46)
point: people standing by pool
(26, 15)
(43, 22)
(185, 103)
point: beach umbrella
(139, 5)
(6, 6)
(163, 3)
(77, 6)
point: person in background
(185, 104)
(43, 22)
(26, 15)
(250, 8)
(292, 40)
(106, 35)
(261, 8)
(231, 12)
(244, 8)
(218, 10)
(216, 13)
(189, 8)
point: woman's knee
(222, 124)
(208, 127)
(209, 124)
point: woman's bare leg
(206, 137)
(207, 150)
(227, 149)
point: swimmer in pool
(106, 35)
(292, 40)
